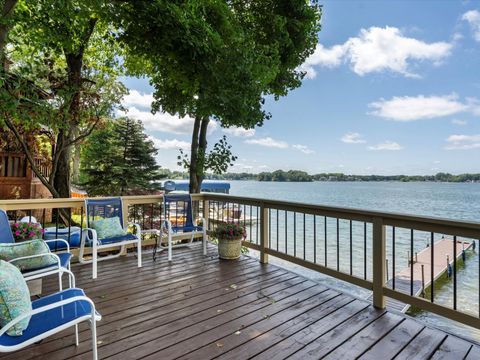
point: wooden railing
(365, 248)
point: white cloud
(136, 99)
(303, 148)
(463, 142)
(459, 122)
(473, 19)
(411, 108)
(239, 131)
(164, 122)
(378, 49)
(169, 144)
(268, 142)
(387, 145)
(353, 138)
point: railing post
(125, 205)
(378, 260)
(263, 234)
(206, 214)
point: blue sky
(392, 88)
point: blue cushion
(64, 261)
(186, 228)
(51, 319)
(14, 298)
(117, 239)
(26, 248)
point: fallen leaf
(233, 286)
(219, 344)
(219, 310)
(238, 332)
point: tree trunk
(7, 10)
(194, 186)
(202, 149)
(77, 151)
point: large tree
(119, 159)
(218, 59)
(67, 49)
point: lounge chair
(100, 210)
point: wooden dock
(442, 249)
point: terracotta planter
(229, 249)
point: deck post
(206, 214)
(263, 234)
(378, 260)
(125, 204)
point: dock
(442, 249)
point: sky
(393, 87)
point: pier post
(264, 234)
(378, 259)
(423, 281)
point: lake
(460, 201)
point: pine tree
(120, 160)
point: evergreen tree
(120, 160)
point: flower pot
(229, 249)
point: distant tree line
(298, 175)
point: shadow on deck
(201, 308)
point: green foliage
(228, 231)
(120, 160)
(217, 160)
(280, 175)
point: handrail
(375, 223)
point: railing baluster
(325, 233)
(432, 257)
(365, 250)
(315, 239)
(454, 273)
(351, 249)
(257, 228)
(269, 228)
(294, 234)
(286, 232)
(338, 244)
(304, 238)
(393, 257)
(278, 235)
(411, 262)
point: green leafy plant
(229, 231)
(23, 231)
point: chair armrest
(86, 232)
(57, 259)
(49, 307)
(59, 240)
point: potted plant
(229, 236)
(23, 231)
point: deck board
(199, 307)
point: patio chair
(50, 315)
(179, 224)
(99, 240)
(62, 258)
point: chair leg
(139, 253)
(93, 326)
(76, 335)
(94, 263)
(169, 247)
(204, 240)
(60, 287)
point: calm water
(449, 200)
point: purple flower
(17, 232)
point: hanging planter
(229, 236)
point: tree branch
(30, 158)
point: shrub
(229, 231)
(23, 231)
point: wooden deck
(203, 308)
